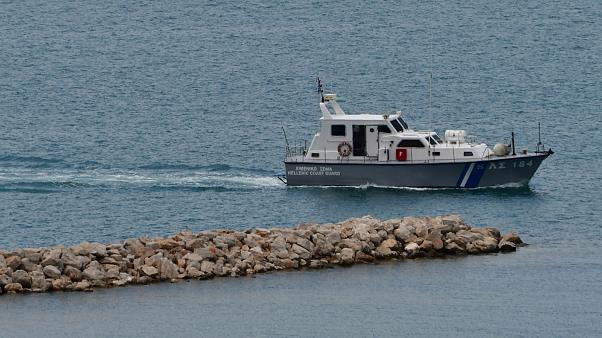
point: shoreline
(223, 252)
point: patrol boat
(384, 150)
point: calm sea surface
(122, 119)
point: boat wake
(56, 180)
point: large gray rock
(506, 246)
(73, 273)
(39, 282)
(168, 270)
(70, 259)
(305, 243)
(224, 242)
(412, 249)
(301, 251)
(13, 262)
(3, 262)
(53, 257)
(195, 243)
(279, 247)
(5, 279)
(13, 287)
(208, 267)
(512, 237)
(94, 273)
(150, 271)
(351, 243)
(52, 271)
(347, 256)
(206, 253)
(85, 248)
(324, 248)
(333, 237)
(436, 238)
(28, 266)
(22, 277)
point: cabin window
(431, 140)
(411, 144)
(436, 153)
(403, 123)
(396, 125)
(315, 154)
(337, 130)
(437, 138)
(468, 153)
(384, 129)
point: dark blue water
(127, 119)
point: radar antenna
(320, 89)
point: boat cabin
(384, 138)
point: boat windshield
(403, 123)
(437, 138)
(431, 140)
(396, 125)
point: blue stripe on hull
(461, 178)
(475, 175)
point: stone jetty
(220, 253)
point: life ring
(345, 149)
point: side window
(315, 154)
(337, 130)
(436, 153)
(468, 153)
(384, 129)
(411, 144)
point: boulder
(3, 262)
(332, 237)
(51, 271)
(13, 288)
(70, 259)
(62, 283)
(279, 247)
(487, 232)
(73, 273)
(82, 286)
(194, 257)
(412, 249)
(305, 243)
(224, 242)
(94, 273)
(301, 251)
(347, 256)
(351, 243)
(28, 266)
(39, 282)
(512, 237)
(436, 238)
(506, 246)
(206, 253)
(23, 278)
(4, 279)
(453, 248)
(150, 271)
(168, 270)
(13, 262)
(363, 257)
(323, 248)
(208, 267)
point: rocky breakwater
(215, 253)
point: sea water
(122, 120)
